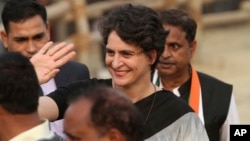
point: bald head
(102, 113)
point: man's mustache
(166, 61)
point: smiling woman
(122, 60)
(134, 40)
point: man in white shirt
(210, 98)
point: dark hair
(21, 10)
(136, 25)
(112, 109)
(182, 19)
(18, 84)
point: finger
(56, 48)
(51, 74)
(64, 51)
(65, 59)
(45, 48)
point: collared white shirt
(232, 116)
(41, 131)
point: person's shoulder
(211, 79)
(166, 94)
(74, 64)
(72, 71)
(93, 82)
(169, 98)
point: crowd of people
(26, 31)
(154, 92)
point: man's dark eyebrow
(21, 38)
(38, 35)
(33, 37)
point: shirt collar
(38, 132)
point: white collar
(40, 131)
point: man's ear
(4, 38)
(193, 47)
(48, 29)
(115, 135)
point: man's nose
(31, 47)
(166, 52)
